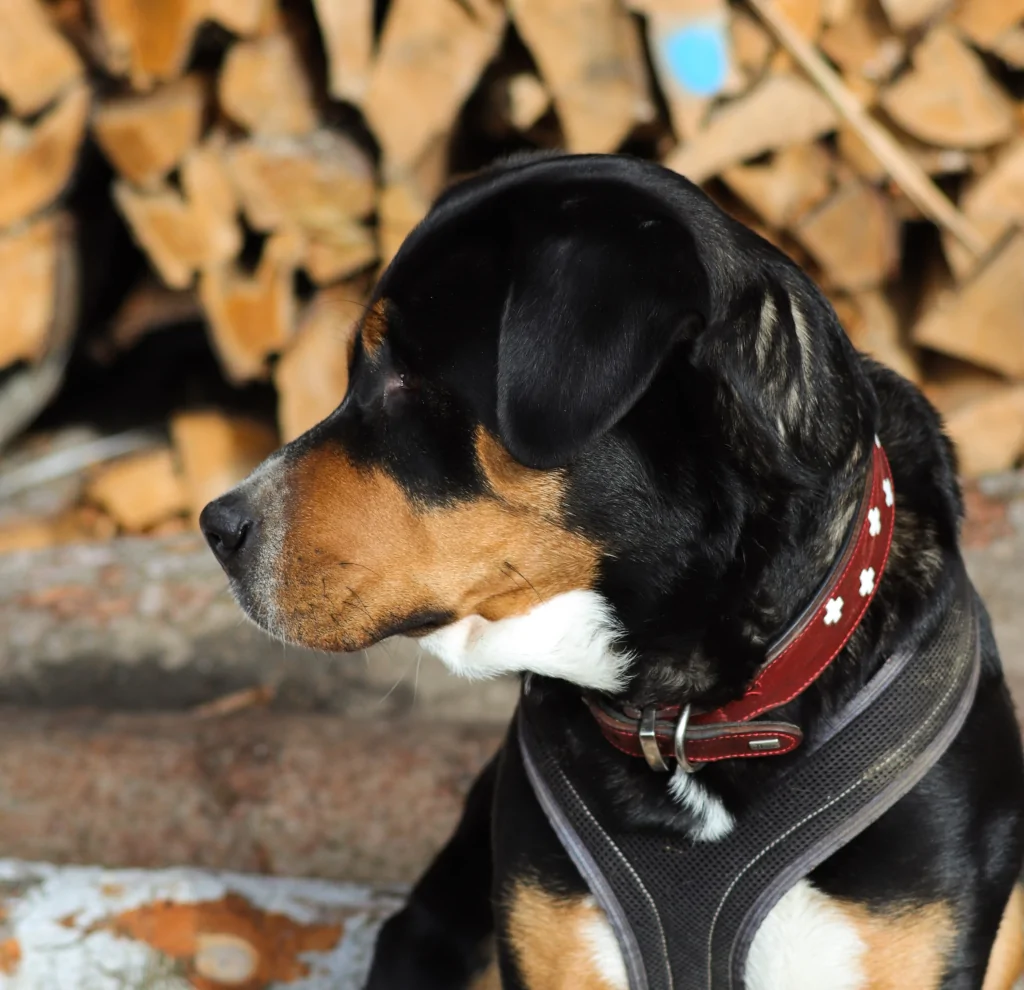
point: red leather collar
(795, 660)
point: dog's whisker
(529, 583)
(394, 686)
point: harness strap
(685, 913)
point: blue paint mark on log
(697, 57)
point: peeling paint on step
(85, 928)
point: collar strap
(795, 660)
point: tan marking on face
(358, 554)
(1006, 962)
(916, 941)
(375, 327)
(548, 937)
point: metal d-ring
(680, 743)
(649, 739)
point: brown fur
(359, 555)
(905, 949)
(901, 950)
(375, 327)
(547, 935)
(1006, 963)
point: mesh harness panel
(685, 913)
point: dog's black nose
(227, 525)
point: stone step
(87, 928)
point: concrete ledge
(148, 624)
(309, 795)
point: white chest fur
(805, 943)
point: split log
(312, 376)
(349, 248)
(400, 208)
(28, 389)
(837, 11)
(993, 203)
(252, 316)
(36, 62)
(150, 42)
(36, 161)
(689, 45)
(149, 306)
(1009, 46)
(29, 258)
(983, 415)
(320, 187)
(858, 155)
(982, 321)
(863, 47)
(874, 328)
(792, 183)
(953, 384)
(807, 19)
(781, 111)
(347, 30)
(435, 49)
(528, 100)
(243, 17)
(905, 15)
(931, 160)
(82, 524)
(807, 16)
(313, 184)
(854, 237)
(519, 100)
(949, 99)
(216, 452)
(989, 434)
(984, 21)
(139, 491)
(145, 137)
(264, 87)
(752, 46)
(184, 233)
(913, 182)
(590, 56)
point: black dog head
(594, 428)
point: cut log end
(216, 452)
(312, 377)
(145, 137)
(36, 161)
(252, 317)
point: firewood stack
(270, 156)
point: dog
(599, 432)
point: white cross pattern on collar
(887, 488)
(833, 611)
(874, 521)
(867, 581)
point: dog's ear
(593, 310)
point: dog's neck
(703, 805)
(758, 603)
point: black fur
(712, 422)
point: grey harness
(685, 913)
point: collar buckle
(648, 735)
(680, 743)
